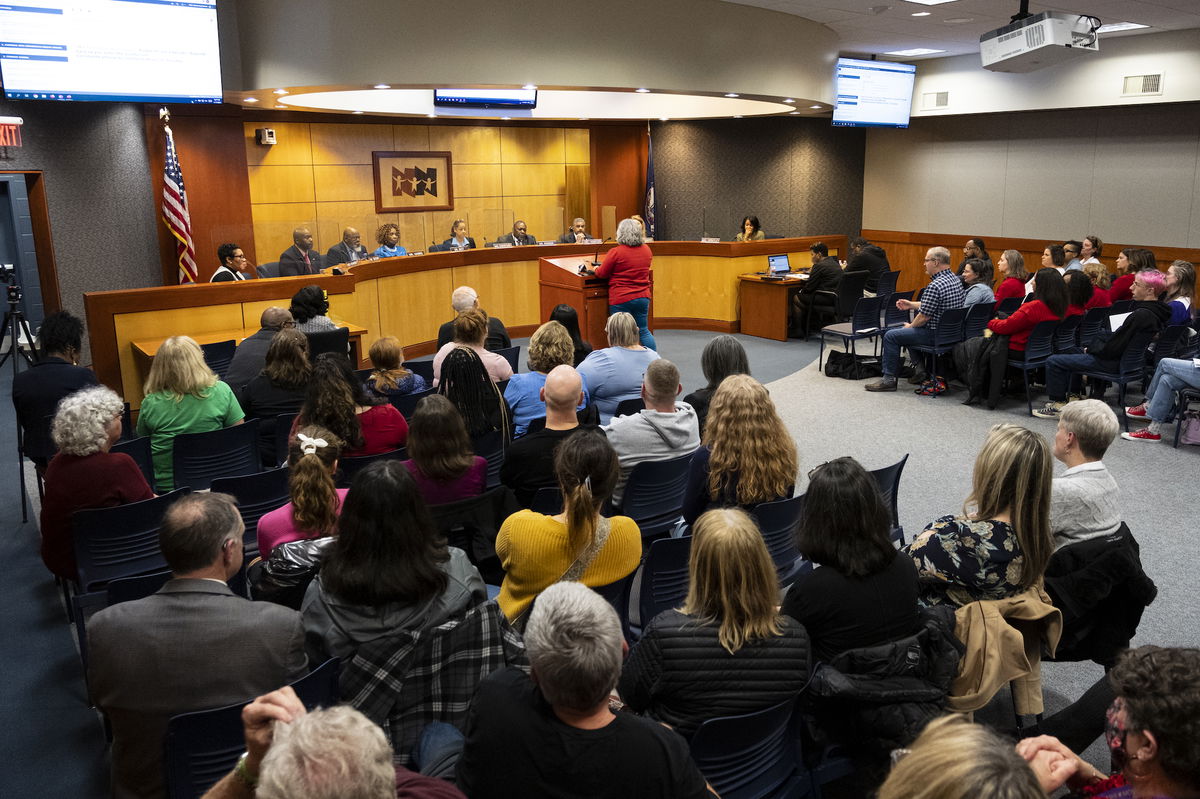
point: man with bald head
(577, 234)
(300, 258)
(251, 354)
(529, 462)
(347, 251)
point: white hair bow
(309, 446)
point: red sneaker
(1137, 411)
(1141, 435)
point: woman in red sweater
(336, 401)
(1012, 268)
(1049, 302)
(1131, 261)
(1079, 291)
(626, 267)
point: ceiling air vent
(1142, 85)
(931, 101)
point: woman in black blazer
(459, 240)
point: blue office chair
(893, 316)
(547, 500)
(885, 284)
(139, 450)
(256, 495)
(949, 333)
(664, 581)
(204, 745)
(269, 269)
(1038, 350)
(1009, 304)
(512, 355)
(1066, 335)
(119, 542)
(407, 403)
(1095, 321)
(1129, 369)
(350, 466)
(978, 315)
(777, 521)
(490, 446)
(336, 341)
(654, 495)
(753, 755)
(422, 368)
(863, 324)
(218, 355)
(199, 458)
(888, 480)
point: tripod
(14, 325)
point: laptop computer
(778, 267)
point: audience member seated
(566, 316)
(1170, 376)
(467, 384)
(663, 430)
(251, 355)
(279, 388)
(310, 308)
(1085, 499)
(867, 257)
(1104, 353)
(1002, 546)
(1052, 258)
(865, 592)
(722, 356)
(615, 373)
(1130, 261)
(333, 751)
(388, 377)
(84, 474)
(519, 237)
(1090, 250)
(300, 258)
(1181, 285)
(977, 279)
(1151, 730)
(1102, 281)
(347, 251)
(576, 234)
(551, 732)
(441, 460)
(1049, 303)
(747, 457)
(193, 645)
(549, 346)
(751, 230)
(626, 267)
(313, 512)
(470, 331)
(975, 249)
(727, 651)
(459, 240)
(388, 238)
(955, 758)
(825, 276)
(387, 572)
(465, 298)
(1012, 270)
(37, 391)
(1071, 251)
(529, 461)
(1079, 291)
(337, 402)
(182, 396)
(232, 261)
(576, 545)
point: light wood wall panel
(477, 180)
(349, 144)
(413, 306)
(504, 293)
(691, 286)
(543, 214)
(535, 178)
(274, 223)
(342, 183)
(294, 145)
(577, 144)
(473, 145)
(410, 137)
(281, 184)
(532, 146)
(334, 217)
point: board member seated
(388, 237)
(577, 234)
(459, 240)
(519, 236)
(348, 250)
(751, 230)
(300, 258)
(233, 262)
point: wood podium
(559, 282)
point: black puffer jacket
(680, 674)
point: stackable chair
(336, 341)
(978, 315)
(512, 355)
(664, 579)
(200, 458)
(888, 480)
(218, 355)
(256, 495)
(1129, 369)
(490, 446)
(422, 368)
(1066, 335)
(949, 332)
(407, 403)
(777, 521)
(863, 324)
(654, 495)
(352, 465)
(1038, 350)
(754, 755)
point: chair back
(886, 283)
(629, 407)
(664, 577)
(1009, 304)
(866, 313)
(547, 500)
(1094, 321)
(36, 440)
(888, 480)
(950, 328)
(978, 315)
(1169, 344)
(199, 458)
(127, 589)
(893, 316)
(654, 495)
(121, 541)
(617, 595)
(422, 368)
(361, 375)
(336, 341)
(1133, 359)
(407, 403)
(256, 495)
(204, 745)
(218, 355)
(269, 269)
(1121, 306)
(777, 521)
(472, 524)
(490, 446)
(849, 292)
(283, 426)
(752, 755)
(128, 429)
(512, 355)
(352, 465)
(1066, 335)
(139, 450)
(1040, 345)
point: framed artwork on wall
(412, 181)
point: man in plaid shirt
(945, 291)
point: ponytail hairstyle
(312, 454)
(587, 470)
(387, 358)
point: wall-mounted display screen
(872, 93)
(131, 50)
(485, 98)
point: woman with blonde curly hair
(388, 236)
(182, 396)
(549, 346)
(313, 512)
(746, 456)
(1001, 544)
(84, 474)
(727, 651)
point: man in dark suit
(348, 250)
(576, 234)
(300, 258)
(519, 236)
(465, 298)
(193, 645)
(251, 355)
(825, 275)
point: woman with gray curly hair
(626, 267)
(84, 474)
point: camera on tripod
(8, 274)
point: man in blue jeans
(1171, 375)
(944, 292)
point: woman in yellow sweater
(578, 544)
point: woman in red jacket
(1131, 261)
(1049, 302)
(626, 267)
(1012, 268)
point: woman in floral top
(1000, 546)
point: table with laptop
(765, 298)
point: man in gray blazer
(193, 645)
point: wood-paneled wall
(319, 174)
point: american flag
(175, 212)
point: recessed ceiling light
(250, 100)
(642, 91)
(929, 2)
(505, 118)
(529, 87)
(737, 116)
(921, 13)
(432, 116)
(794, 113)
(583, 119)
(281, 91)
(664, 119)
(816, 107)
(356, 112)
(733, 94)
(1113, 27)
(914, 51)
(789, 100)
(382, 86)
(958, 20)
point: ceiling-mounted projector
(1039, 40)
